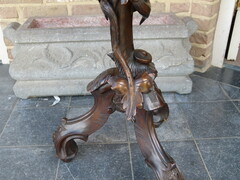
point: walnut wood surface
(81, 127)
(128, 88)
(162, 163)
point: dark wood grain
(128, 88)
(81, 127)
(161, 162)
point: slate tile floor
(202, 134)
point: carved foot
(82, 126)
(161, 114)
(163, 164)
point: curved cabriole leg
(82, 126)
(160, 114)
(163, 164)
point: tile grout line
(83, 144)
(27, 146)
(204, 164)
(69, 103)
(206, 101)
(69, 172)
(204, 77)
(129, 150)
(218, 138)
(57, 169)
(229, 85)
(68, 107)
(13, 108)
(216, 81)
(236, 107)
(123, 142)
(226, 94)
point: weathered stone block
(61, 55)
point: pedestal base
(180, 84)
(108, 91)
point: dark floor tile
(113, 131)
(203, 90)
(232, 65)
(4, 73)
(7, 102)
(169, 97)
(237, 103)
(232, 92)
(27, 163)
(105, 162)
(214, 73)
(82, 101)
(218, 119)
(185, 154)
(222, 158)
(4, 115)
(7, 97)
(225, 75)
(43, 102)
(6, 88)
(175, 128)
(230, 76)
(32, 126)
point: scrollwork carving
(129, 88)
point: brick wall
(205, 13)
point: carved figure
(129, 88)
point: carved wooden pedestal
(129, 88)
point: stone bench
(61, 55)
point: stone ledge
(179, 84)
(50, 29)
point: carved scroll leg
(82, 126)
(160, 114)
(163, 164)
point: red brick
(7, 42)
(179, 7)
(51, 1)
(205, 24)
(20, 1)
(44, 11)
(9, 51)
(202, 64)
(205, 9)
(201, 52)
(59, 1)
(202, 38)
(206, 0)
(157, 7)
(4, 24)
(8, 12)
(86, 9)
